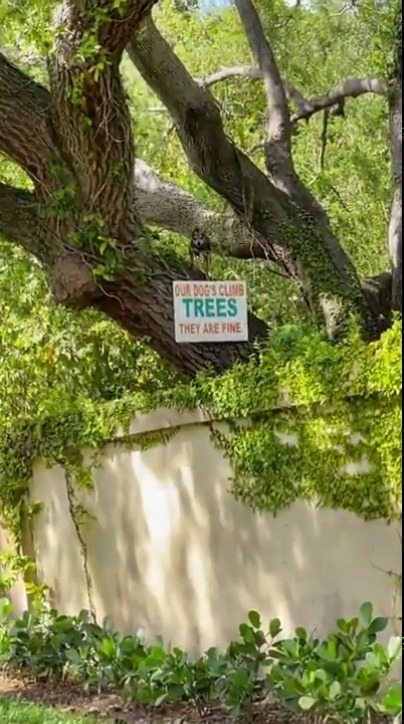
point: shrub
(342, 678)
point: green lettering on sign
(210, 307)
(232, 307)
(187, 303)
(221, 307)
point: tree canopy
(126, 124)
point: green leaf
(393, 701)
(360, 703)
(275, 627)
(328, 650)
(366, 611)
(321, 675)
(373, 659)
(378, 624)
(382, 653)
(306, 702)
(241, 678)
(260, 638)
(254, 619)
(335, 689)
(301, 633)
(160, 699)
(247, 633)
(343, 625)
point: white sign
(210, 311)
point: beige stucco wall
(170, 550)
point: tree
(86, 218)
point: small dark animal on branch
(200, 248)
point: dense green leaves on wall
(340, 404)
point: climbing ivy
(336, 404)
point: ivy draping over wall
(337, 403)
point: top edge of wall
(163, 418)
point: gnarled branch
(235, 71)
(350, 88)
(25, 133)
(279, 130)
(168, 206)
(89, 108)
(253, 73)
(305, 107)
(20, 221)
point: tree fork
(291, 232)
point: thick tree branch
(378, 291)
(147, 311)
(278, 138)
(351, 88)
(305, 107)
(212, 154)
(166, 205)
(89, 108)
(109, 22)
(142, 309)
(20, 221)
(290, 228)
(25, 132)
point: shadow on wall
(171, 551)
